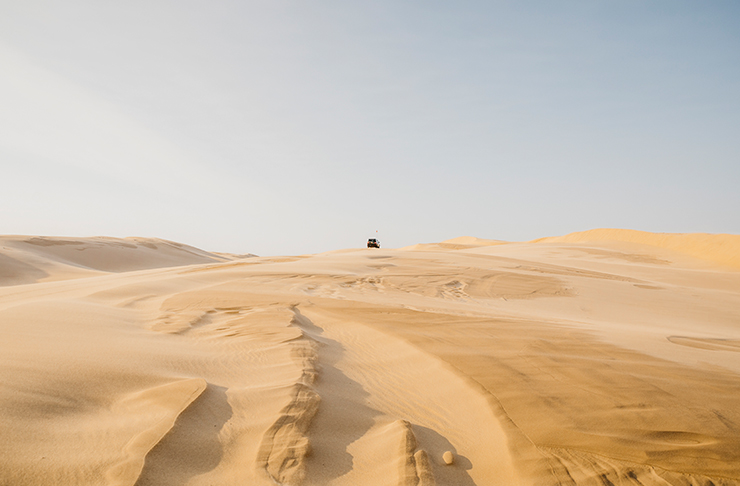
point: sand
(606, 357)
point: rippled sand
(606, 357)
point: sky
(292, 127)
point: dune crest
(285, 445)
(459, 243)
(723, 249)
(164, 403)
(26, 259)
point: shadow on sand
(191, 447)
(435, 445)
(343, 416)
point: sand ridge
(42, 258)
(587, 360)
(723, 249)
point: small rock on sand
(448, 457)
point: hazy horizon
(285, 127)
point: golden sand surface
(609, 357)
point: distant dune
(608, 357)
(723, 249)
(28, 259)
(459, 243)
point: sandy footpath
(608, 357)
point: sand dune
(721, 249)
(600, 358)
(459, 243)
(42, 258)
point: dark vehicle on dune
(373, 243)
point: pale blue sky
(293, 127)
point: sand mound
(723, 249)
(459, 243)
(473, 241)
(26, 259)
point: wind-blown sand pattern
(608, 357)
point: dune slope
(579, 361)
(721, 249)
(29, 259)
